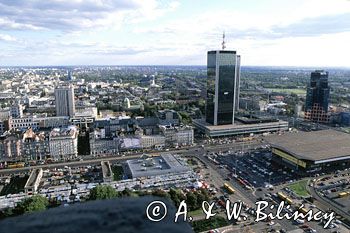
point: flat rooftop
(236, 125)
(239, 128)
(153, 166)
(314, 146)
(33, 177)
(106, 169)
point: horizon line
(91, 65)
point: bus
(229, 188)
(343, 194)
(15, 165)
(285, 198)
(303, 210)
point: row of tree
(193, 199)
(35, 203)
(28, 205)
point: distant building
(2, 127)
(34, 146)
(10, 147)
(4, 113)
(37, 122)
(127, 104)
(177, 135)
(223, 71)
(152, 141)
(64, 98)
(344, 119)
(155, 166)
(99, 144)
(168, 117)
(70, 75)
(84, 117)
(107, 172)
(310, 152)
(16, 111)
(249, 104)
(33, 182)
(317, 97)
(223, 88)
(114, 125)
(64, 143)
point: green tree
(160, 193)
(6, 213)
(176, 196)
(102, 192)
(185, 118)
(192, 201)
(202, 195)
(126, 192)
(32, 204)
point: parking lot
(256, 168)
(336, 190)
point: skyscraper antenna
(223, 41)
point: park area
(299, 188)
(16, 185)
(288, 90)
(211, 223)
(117, 173)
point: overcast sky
(171, 32)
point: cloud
(7, 38)
(72, 15)
(322, 25)
(151, 31)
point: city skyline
(267, 33)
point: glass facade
(211, 74)
(222, 87)
(318, 91)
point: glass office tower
(317, 97)
(318, 91)
(223, 70)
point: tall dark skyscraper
(317, 97)
(223, 70)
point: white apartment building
(63, 143)
(150, 141)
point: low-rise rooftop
(314, 146)
(153, 166)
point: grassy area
(288, 91)
(300, 188)
(16, 185)
(212, 223)
(192, 162)
(196, 212)
(117, 172)
(346, 129)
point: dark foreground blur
(116, 215)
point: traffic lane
(286, 224)
(70, 164)
(255, 171)
(249, 198)
(94, 161)
(222, 177)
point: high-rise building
(64, 98)
(223, 70)
(69, 75)
(317, 97)
(223, 84)
(16, 110)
